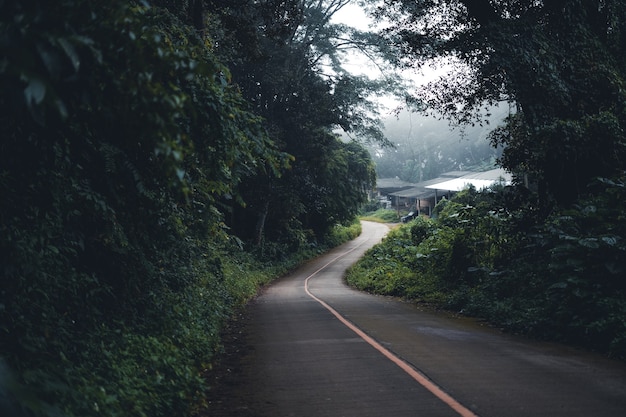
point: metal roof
(448, 181)
(415, 192)
(479, 180)
(393, 183)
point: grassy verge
(381, 216)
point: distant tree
(426, 146)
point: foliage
(286, 57)
(587, 266)
(381, 215)
(559, 63)
(343, 233)
(558, 280)
(388, 269)
(122, 138)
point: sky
(353, 15)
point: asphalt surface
(298, 358)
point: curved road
(319, 348)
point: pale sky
(358, 64)
(354, 16)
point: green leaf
(591, 243)
(71, 53)
(35, 91)
(610, 240)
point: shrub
(421, 228)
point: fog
(426, 146)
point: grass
(381, 216)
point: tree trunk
(260, 225)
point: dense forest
(159, 160)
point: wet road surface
(302, 358)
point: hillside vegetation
(426, 146)
(143, 197)
(562, 279)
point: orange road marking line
(413, 373)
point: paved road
(305, 360)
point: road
(315, 347)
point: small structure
(387, 186)
(478, 180)
(425, 195)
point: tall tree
(286, 57)
(561, 62)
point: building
(424, 195)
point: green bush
(421, 228)
(342, 233)
(390, 268)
